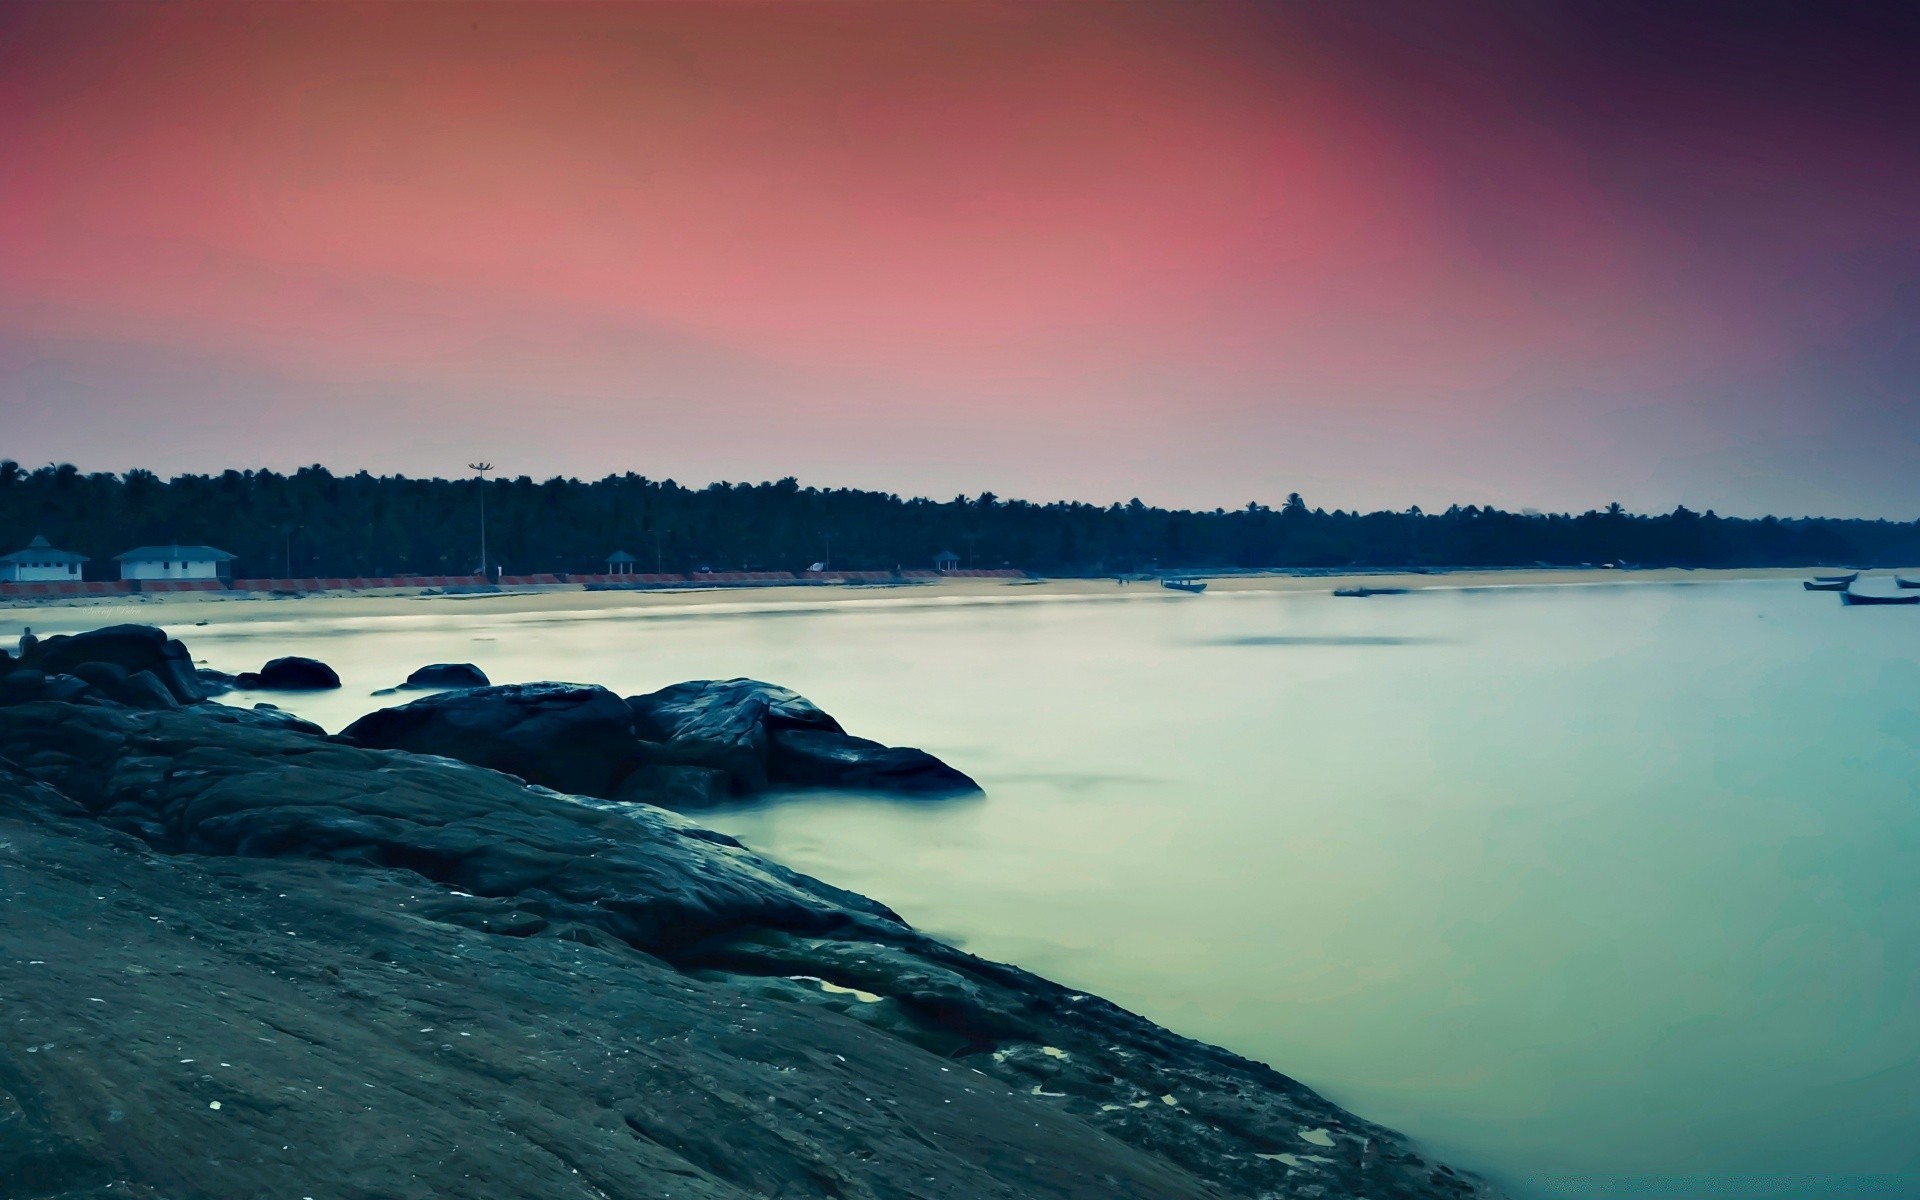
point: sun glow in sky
(1530, 254)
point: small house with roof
(620, 563)
(41, 563)
(946, 561)
(174, 562)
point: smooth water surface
(1605, 891)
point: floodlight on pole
(481, 468)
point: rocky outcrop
(817, 758)
(724, 724)
(105, 658)
(448, 675)
(255, 961)
(291, 674)
(567, 736)
(765, 737)
(689, 746)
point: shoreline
(57, 612)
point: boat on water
(1853, 597)
(1836, 578)
(1369, 591)
(1814, 585)
(1196, 586)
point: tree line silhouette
(313, 522)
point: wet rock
(816, 758)
(724, 724)
(679, 787)
(215, 683)
(448, 675)
(566, 736)
(290, 674)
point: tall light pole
(482, 468)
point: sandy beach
(58, 614)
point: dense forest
(314, 522)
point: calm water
(1606, 891)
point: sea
(1598, 890)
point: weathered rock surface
(448, 675)
(723, 724)
(126, 648)
(568, 736)
(251, 961)
(290, 674)
(817, 758)
(689, 746)
(766, 737)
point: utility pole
(657, 568)
(482, 468)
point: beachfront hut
(174, 562)
(946, 561)
(620, 563)
(41, 563)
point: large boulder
(567, 736)
(818, 758)
(723, 724)
(290, 674)
(448, 675)
(130, 648)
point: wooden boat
(1852, 597)
(1836, 578)
(1902, 581)
(1194, 586)
(1838, 585)
(1369, 591)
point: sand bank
(186, 608)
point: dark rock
(291, 674)
(723, 724)
(66, 688)
(104, 675)
(143, 689)
(815, 758)
(131, 648)
(23, 685)
(263, 716)
(214, 683)
(682, 788)
(448, 675)
(524, 993)
(567, 736)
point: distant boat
(1899, 581)
(1836, 578)
(1851, 597)
(1196, 586)
(1838, 585)
(1369, 591)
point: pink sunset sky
(1533, 254)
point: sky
(1533, 254)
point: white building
(174, 562)
(41, 563)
